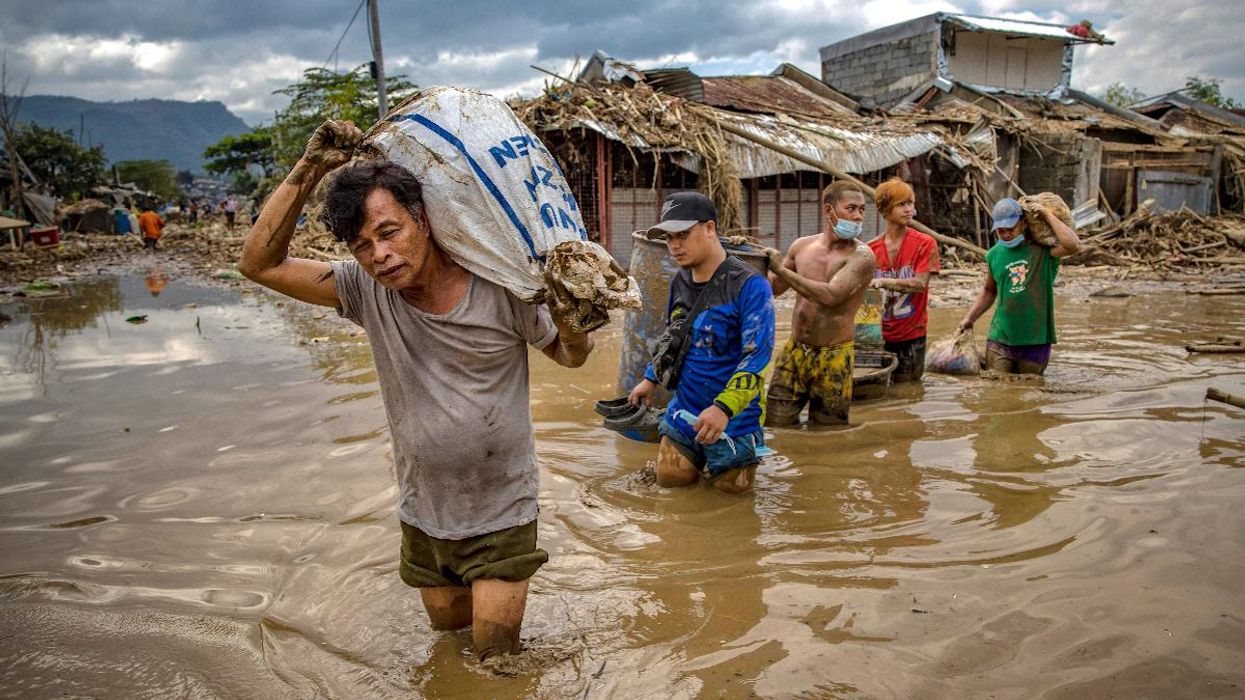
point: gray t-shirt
(455, 389)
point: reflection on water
(203, 505)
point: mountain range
(138, 129)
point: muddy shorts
(1017, 359)
(508, 555)
(911, 355)
(819, 377)
(729, 452)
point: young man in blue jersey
(712, 426)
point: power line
(333, 54)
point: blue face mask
(847, 230)
(1013, 242)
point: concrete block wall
(884, 72)
(1066, 164)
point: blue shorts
(729, 452)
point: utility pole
(378, 60)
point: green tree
(233, 154)
(323, 94)
(1121, 95)
(57, 159)
(1208, 90)
(157, 176)
(242, 182)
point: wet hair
(891, 193)
(342, 212)
(835, 191)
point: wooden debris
(1167, 240)
(1222, 346)
(1214, 394)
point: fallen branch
(1214, 394)
(1223, 348)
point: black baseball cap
(683, 210)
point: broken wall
(1067, 164)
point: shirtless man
(830, 271)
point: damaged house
(627, 138)
(1006, 83)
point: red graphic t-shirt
(904, 314)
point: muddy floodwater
(201, 504)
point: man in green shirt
(1022, 279)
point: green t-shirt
(1025, 308)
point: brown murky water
(201, 505)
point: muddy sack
(955, 355)
(1039, 230)
(498, 202)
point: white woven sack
(496, 198)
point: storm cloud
(240, 52)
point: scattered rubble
(1168, 240)
(208, 249)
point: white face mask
(1013, 242)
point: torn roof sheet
(849, 150)
(1023, 27)
(852, 151)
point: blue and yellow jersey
(732, 342)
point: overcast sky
(239, 51)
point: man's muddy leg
(449, 607)
(673, 467)
(498, 615)
(999, 362)
(781, 413)
(1026, 367)
(736, 481)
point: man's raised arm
(265, 253)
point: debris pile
(641, 117)
(209, 247)
(1168, 239)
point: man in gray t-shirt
(451, 358)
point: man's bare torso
(813, 323)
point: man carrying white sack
(451, 358)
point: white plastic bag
(496, 198)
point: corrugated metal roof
(1180, 100)
(680, 82)
(851, 150)
(767, 94)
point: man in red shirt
(906, 258)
